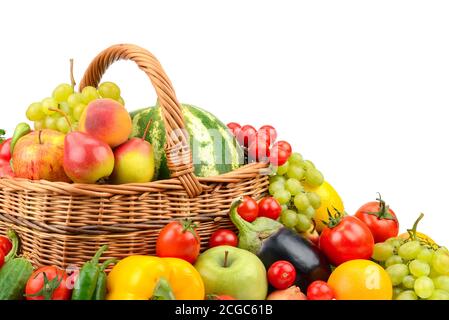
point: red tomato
(5, 150)
(52, 286)
(281, 274)
(346, 238)
(248, 209)
(284, 145)
(269, 207)
(179, 239)
(278, 155)
(2, 259)
(320, 290)
(267, 133)
(380, 219)
(246, 135)
(223, 237)
(259, 150)
(234, 127)
(5, 245)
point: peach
(106, 120)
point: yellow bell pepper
(146, 277)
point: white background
(359, 87)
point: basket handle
(179, 156)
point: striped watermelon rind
(215, 151)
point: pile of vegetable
(296, 243)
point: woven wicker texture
(62, 224)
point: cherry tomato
(281, 274)
(246, 135)
(52, 286)
(320, 290)
(234, 127)
(248, 209)
(259, 150)
(268, 133)
(380, 219)
(179, 239)
(278, 155)
(223, 237)
(5, 245)
(5, 150)
(361, 280)
(269, 207)
(284, 145)
(346, 238)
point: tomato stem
(334, 219)
(384, 210)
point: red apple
(86, 158)
(39, 155)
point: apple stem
(39, 136)
(147, 129)
(225, 262)
(64, 115)
(72, 78)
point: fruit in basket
(380, 219)
(271, 242)
(418, 267)
(346, 238)
(86, 159)
(71, 103)
(179, 239)
(146, 277)
(329, 199)
(106, 120)
(134, 161)
(227, 270)
(214, 150)
(48, 283)
(269, 207)
(360, 280)
(292, 293)
(5, 157)
(39, 155)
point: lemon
(329, 200)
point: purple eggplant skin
(309, 262)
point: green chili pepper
(100, 289)
(88, 277)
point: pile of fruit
(296, 243)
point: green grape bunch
(64, 108)
(287, 186)
(418, 268)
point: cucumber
(15, 272)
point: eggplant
(271, 242)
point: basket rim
(108, 190)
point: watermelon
(214, 149)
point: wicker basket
(63, 224)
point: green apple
(232, 271)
